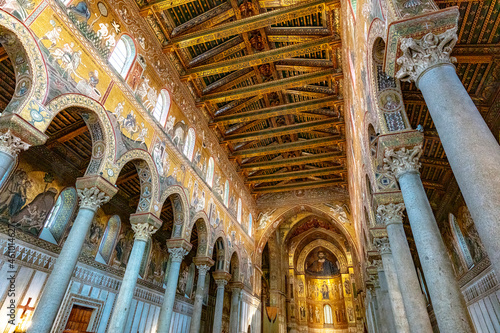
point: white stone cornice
(390, 213)
(420, 55)
(92, 198)
(11, 144)
(143, 231)
(177, 253)
(382, 244)
(402, 161)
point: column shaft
(472, 151)
(167, 307)
(447, 301)
(235, 307)
(413, 299)
(219, 303)
(126, 293)
(58, 281)
(397, 305)
(386, 322)
(198, 302)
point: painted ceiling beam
(298, 186)
(260, 58)
(223, 10)
(295, 175)
(235, 77)
(282, 130)
(282, 162)
(225, 48)
(249, 24)
(298, 31)
(277, 3)
(280, 110)
(160, 5)
(290, 146)
(270, 86)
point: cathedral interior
(249, 166)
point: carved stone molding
(143, 231)
(92, 198)
(203, 269)
(11, 144)
(403, 160)
(373, 280)
(390, 213)
(221, 283)
(378, 264)
(420, 55)
(382, 244)
(177, 253)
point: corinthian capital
(402, 161)
(390, 213)
(382, 244)
(177, 253)
(143, 231)
(11, 144)
(92, 198)
(203, 269)
(422, 54)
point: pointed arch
(327, 314)
(109, 239)
(226, 193)
(123, 55)
(200, 219)
(239, 211)
(210, 172)
(60, 216)
(250, 224)
(189, 145)
(162, 107)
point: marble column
(397, 305)
(471, 148)
(142, 233)
(53, 294)
(10, 147)
(203, 265)
(221, 278)
(385, 315)
(391, 215)
(234, 317)
(447, 301)
(178, 249)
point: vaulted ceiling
(267, 74)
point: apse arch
(326, 245)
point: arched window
(462, 244)
(327, 312)
(123, 55)
(109, 240)
(189, 146)
(226, 193)
(238, 214)
(250, 225)
(59, 216)
(210, 172)
(160, 112)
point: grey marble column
(219, 302)
(235, 308)
(447, 301)
(167, 308)
(471, 148)
(57, 283)
(391, 215)
(10, 147)
(198, 298)
(142, 233)
(397, 305)
(386, 317)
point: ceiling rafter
(295, 174)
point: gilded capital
(177, 253)
(11, 144)
(383, 245)
(420, 55)
(403, 160)
(390, 213)
(143, 231)
(92, 198)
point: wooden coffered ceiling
(267, 74)
(478, 66)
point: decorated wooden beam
(307, 32)
(290, 146)
(223, 11)
(160, 5)
(280, 110)
(249, 24)
(295, 175)
(271, 86)
(260, 58)
(298, 186)
(301, 160)
(279, 3)
(302, 65)
(225, 49)
(235, 77)
(282, 130)
(234, 107)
